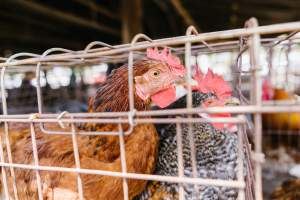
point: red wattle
(165, 97)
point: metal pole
(254, 46)
(240, 159)
(180, 158)
(77, 162)
(123, 161)
(270, 29)
(189, 105)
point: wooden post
(62, 15)
(131, 19)
(183, 12)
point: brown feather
(96, 152)
(289, 190)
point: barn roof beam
(68, 17)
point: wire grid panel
(281, 130)
(120, 53)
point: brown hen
(97, 152)
(289, 190)
(280, 121)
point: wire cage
(281, 136)
(245, 70)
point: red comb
(165, 56)
(212, 83)
(267, 90)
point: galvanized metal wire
(186, 45)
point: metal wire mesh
(242, 44)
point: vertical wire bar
(287, 73)
(188, 71)
(123, 161)
(180, 158)
(77, 162)
(3, 171)
(257, 88)
(4, 108)
(238, 67)
(130, 72)
(271, 74)
(131, 112)
(38, 88)
(189, 105)
(36, 160)
(130, 81)
(279, 130)
(240, 159)
(239, 63)
(250, 176)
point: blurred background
(37, 25)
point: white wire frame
(88, 55)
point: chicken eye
(209, 101)
(156, 73)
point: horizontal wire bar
(187, 180)
(228, 109)
(112, 117)
(138, 120)
(269, 29)
(218, 47)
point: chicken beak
(193, 82)
(184, 82)
(182, 85)
(232, 101)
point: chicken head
(222, 96)
(160, 81)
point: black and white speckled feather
(216, 154)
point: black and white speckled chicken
(216, 155)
